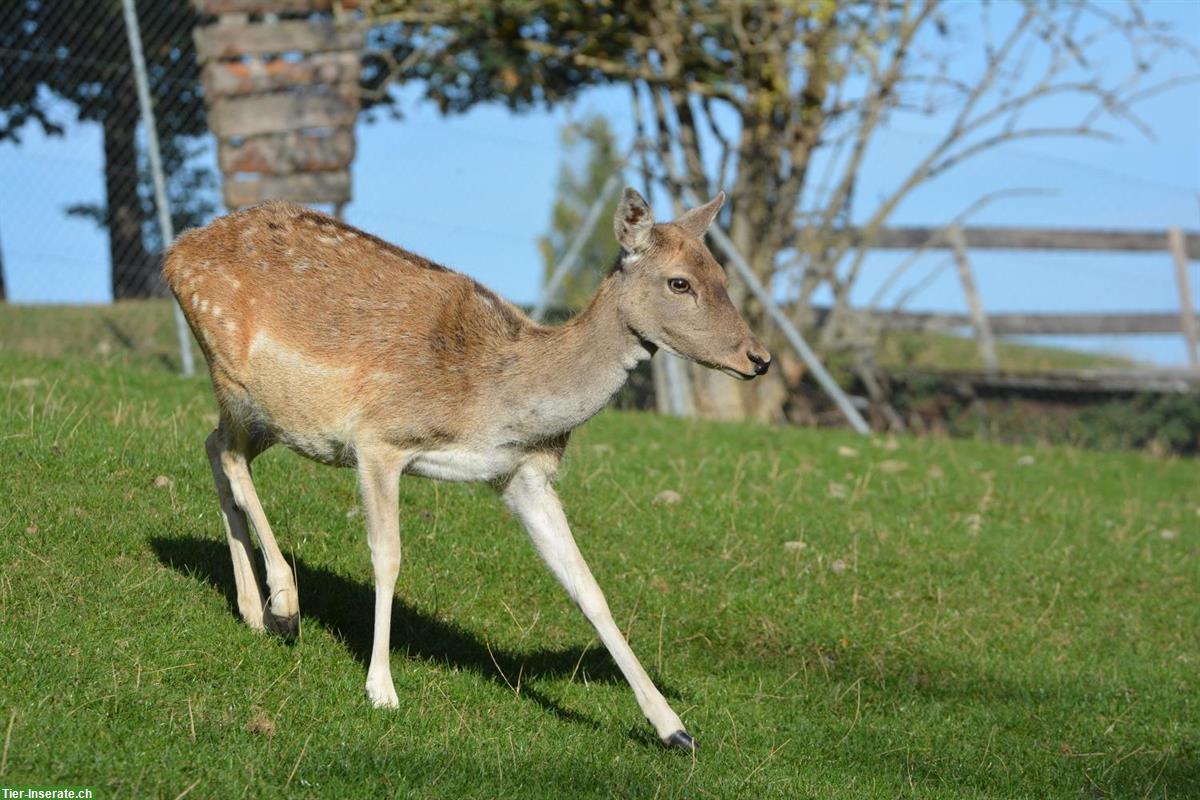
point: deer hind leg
(281, 611)
(379, 477)
(534, 501)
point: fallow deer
(356, 353)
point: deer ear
(697, 220)
(633, 221)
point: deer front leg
(531, 497)
(249, 595)
(379, 476)
(282, 612)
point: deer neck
(573, 370)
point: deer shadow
(347, 609)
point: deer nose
(761, 363)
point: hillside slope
(832, 616)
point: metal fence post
(156, 170)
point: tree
(77, 51)
(756, 97)
(578, 187)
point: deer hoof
(681, 740)
(287, 627)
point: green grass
(959, 622)
(129, 333)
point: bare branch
(1001, 138)
(666, 154)
(689, 143)
(641, 141)
(921, 285)
(871, 115)
(726, 149)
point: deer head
(672, 290)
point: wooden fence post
(1187, 311)
(983, 331)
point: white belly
(463, 465)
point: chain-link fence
(70, 131)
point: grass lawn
(832, 617)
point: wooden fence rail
(997, 238)
(1087, 324)
(1182, 247)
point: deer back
(312, 327)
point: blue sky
(474, 192)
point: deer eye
(679, 285)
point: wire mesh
(67, 84)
